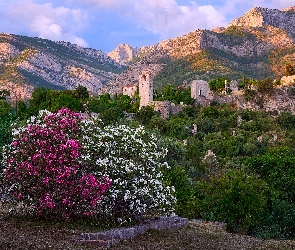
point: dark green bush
(278, 171)
(237, 198)
(286, 120)
(278, 221)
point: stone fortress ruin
(200, 92)
(203, 96)
(165, 108)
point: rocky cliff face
(124, 54)
(29, 62)
(261, 17)
(256, 45)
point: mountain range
(29, 62)
(257, 45)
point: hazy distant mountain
(257, 45)
(27, 62)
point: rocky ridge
(27, 62)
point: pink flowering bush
(43, 167)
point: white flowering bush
(65, 165)
(133, 161)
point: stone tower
(199, 88)
(145, 88)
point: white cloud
(59, 24)
(164, 17)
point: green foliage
(3, 94)
(21, 111)
(237, 198)
(286, 120)
(178, 128)
(5, 109)
(104, 102)
(81, 93)
(217, 84)
(5, 131)
(111, 115)
(184, 192)
(265, 86)
(278, 170)
(210, 112)
(53, 100)
(175, 95)
(65, 100)
(278, 221)
(249, 94)
(145, 114)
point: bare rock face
(27, 63)
(288, 80)
(123, 54)
(7, 51)
(260, 17)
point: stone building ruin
(201, 92)
(165, 108)
(145, 88)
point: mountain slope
(27, 62)
(256, 45)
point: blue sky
(103, 24)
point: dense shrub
(5, 132)
(184, 192)
(60, 164)
(278, 221)
(134, 162)
(278, 170)
(237, 198)
(42, 167)
(286, 120)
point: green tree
(99, 104)
(286, 120)
(237, 198)
(217, 84)
(111, 115)
(4, 93)
(265, 86)
(81, 93)
(145, 114)
(65, 100)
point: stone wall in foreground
(114, 236)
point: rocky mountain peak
(261, 17)
(123, 53)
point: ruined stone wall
(175, 109)
(130, 90)
(163, 107)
